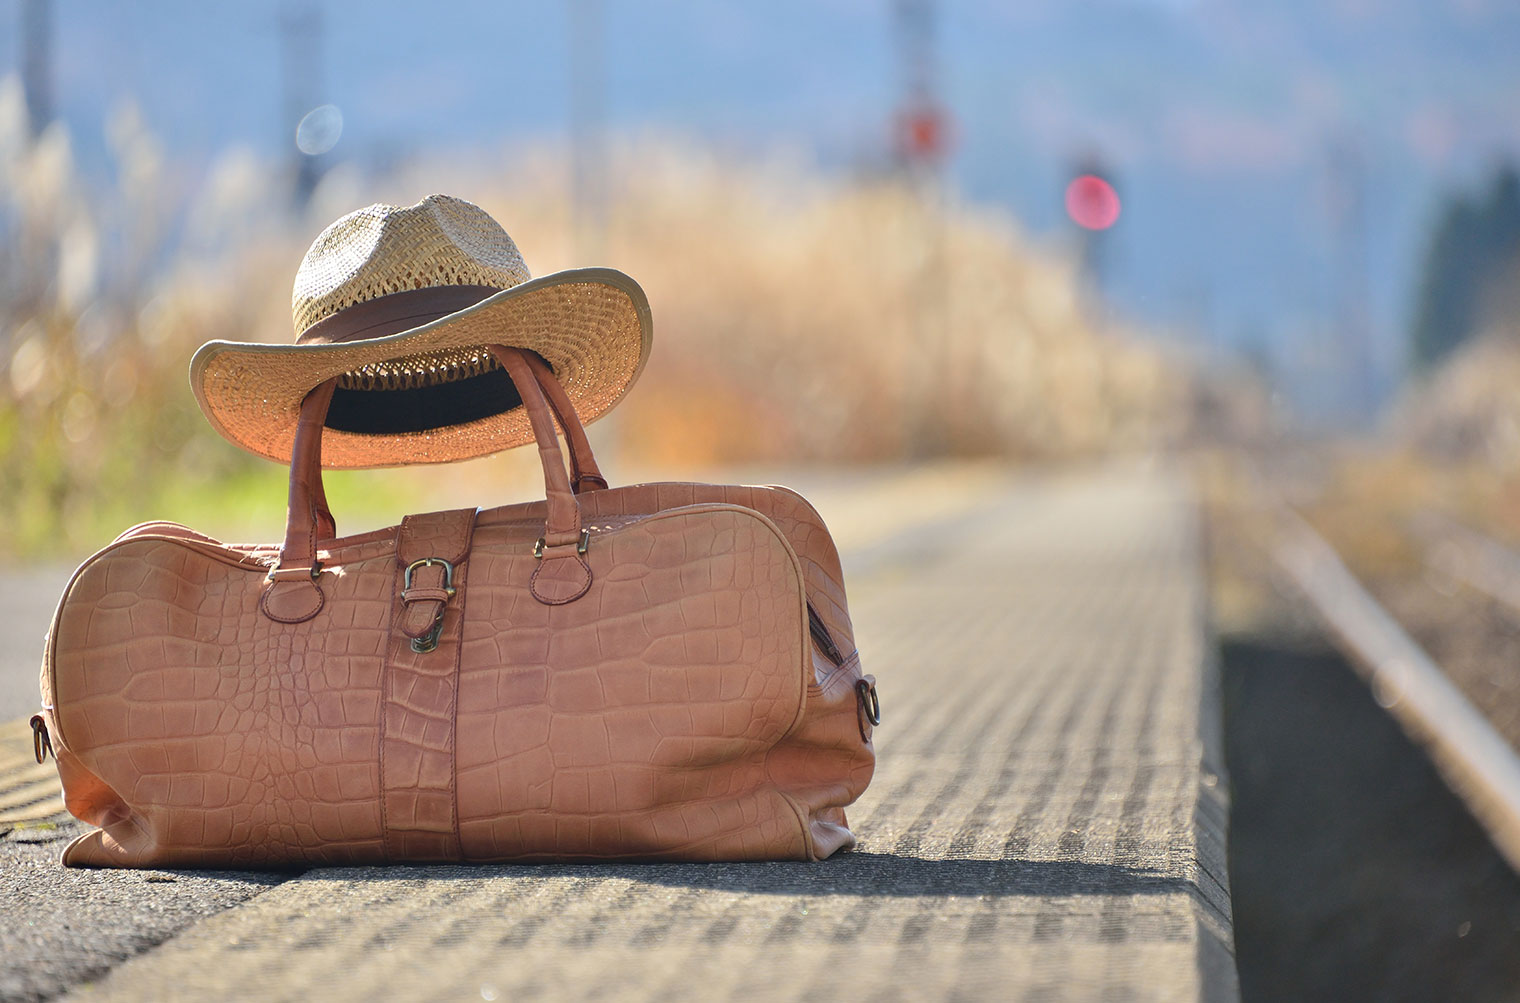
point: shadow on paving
(66, 925)
(96, 919)
(1356, 873)
(865, 874)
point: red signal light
(922, 133)
(1092, 202)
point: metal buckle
(429, 641)
(580, 548)
(448, 573)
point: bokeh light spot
(319, 130)
(1092, 202)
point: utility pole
(919, 140)
(37, 63)
(588, 129)
(300, 67)
(1092, 203)
(919, 137)
(1347, 212)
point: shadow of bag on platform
(662, 671)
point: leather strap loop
(423, 604)
(426, 593)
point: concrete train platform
(1047, 820)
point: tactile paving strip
(1047, 820)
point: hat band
(393, 313)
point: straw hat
(398, 304)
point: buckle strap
(427, 587)
(419, 812)
(430, 548)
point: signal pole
(918, 146)
(1092, 203)
(300, 65)
(588, 142)
(919, 128)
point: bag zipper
(821, 636)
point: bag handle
(584, 474)
(308, 518)
(563, 523)
(583, 471)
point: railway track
(1480, 762)
(1469, 557)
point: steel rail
(1480, 765)
(1475, 559)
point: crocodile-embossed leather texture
(678, 709)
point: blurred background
(871, 230)
(1273, 245)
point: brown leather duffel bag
(664, 671)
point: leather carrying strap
(430, 550)
(583, 470)
(584, 474)
(562, 576)
(563, 524)
(292, 594)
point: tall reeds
(799, 318)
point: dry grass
(1469, 409)
(798, 318)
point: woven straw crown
(398, 303)
(382, 249)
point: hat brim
(591, 325)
